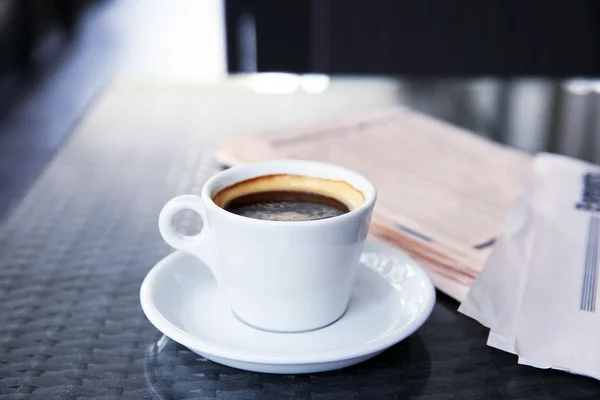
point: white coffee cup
(283, 276)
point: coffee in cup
(288, 197)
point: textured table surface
(74, 253)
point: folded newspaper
(443, 192)
(538, 291)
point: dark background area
(429, 37)
(24, 23)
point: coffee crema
(287, 197)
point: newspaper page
(443, 193)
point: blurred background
(519, 72)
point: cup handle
(197, 245)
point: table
(76, 248)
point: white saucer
(391, 299)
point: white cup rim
(209, 189)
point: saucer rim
(198, 344)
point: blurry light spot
(283, 83)
(580, 86)
(314, 83)
(274, 82)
